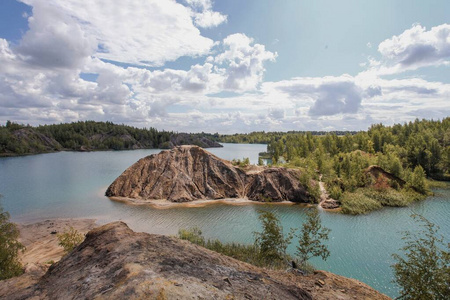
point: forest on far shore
(409, 153)
(18, 139)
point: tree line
(408, 152)
(17, 139)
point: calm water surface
(72, 185)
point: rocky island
(189, 173)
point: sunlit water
(72, 185)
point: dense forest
(408, 152)
(262, 137)
(16, 139)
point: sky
(227, 66)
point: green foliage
(18, 139)
(69, 239)
(271, 242)
(358, 203)
(246, 253)
(245, 162)
(335, 192)
(423, 271)
(365, 200)
(418, 181)
(410, 151)
(9, 248)
(311, 185)
(269, 247)
(311, 237)
(260, 161)
(194, 235)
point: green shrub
(335, 192)
(271, 242)
(311, 238)
(357, 203)
(247, 253)
(423, 270)
(418, 180)
(194, 235)
(69, 239)
(9, 248)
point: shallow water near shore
(72, 185)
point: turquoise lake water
(72, 185)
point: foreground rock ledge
(116, 263)
(189, 173)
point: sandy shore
(41, 241)
(162, 203)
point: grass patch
(357, 203)
(247, 253)
(365, 200)
(435, 184)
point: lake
(72, 185)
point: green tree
(9, 247)
(69, 239)
(271, 241)
(423, 271)
(311, 237)
(260, 161)
(418, 180)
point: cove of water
(72, 185)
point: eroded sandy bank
(163, 203)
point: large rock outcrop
(116, 263)
(188, 173)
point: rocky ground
(116, 263)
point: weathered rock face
(188, 173)
(377, 171)
(116, 263)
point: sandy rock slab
(116, 263)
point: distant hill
(17, 139)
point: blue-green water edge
(72, 185)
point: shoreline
(165, 204)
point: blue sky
(225, 66)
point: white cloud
(139, 32)
(55, 39)
(415, 48)
(203, 14)
(40, 76)
(209, 18)
(327, 95)
(244, 62)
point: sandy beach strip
(163, 203)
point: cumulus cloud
(138, 32)
(329, 95)
(40, 75)
(55, 39)
(203, 14)
(417, 47)
(244, 62)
